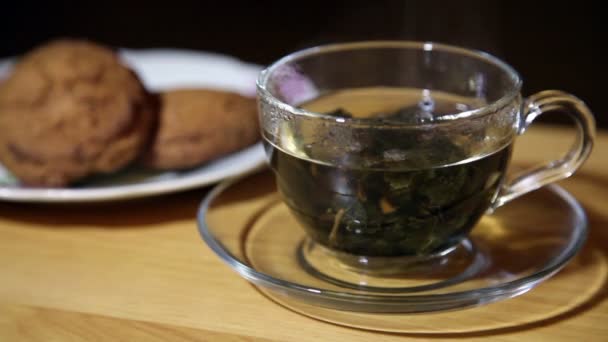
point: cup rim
(509, 95)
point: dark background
(553, 45)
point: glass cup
(396, 149)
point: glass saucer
(508, 253)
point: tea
(405, 204)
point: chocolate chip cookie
(70, 109)
(198, 125)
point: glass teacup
(396, 149)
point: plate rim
(135, 190)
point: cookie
(199, 125)
(70, 109)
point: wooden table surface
(138, 270)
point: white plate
(159, 70)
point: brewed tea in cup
(390, 149)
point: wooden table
(139, 271)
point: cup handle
(535, 105)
